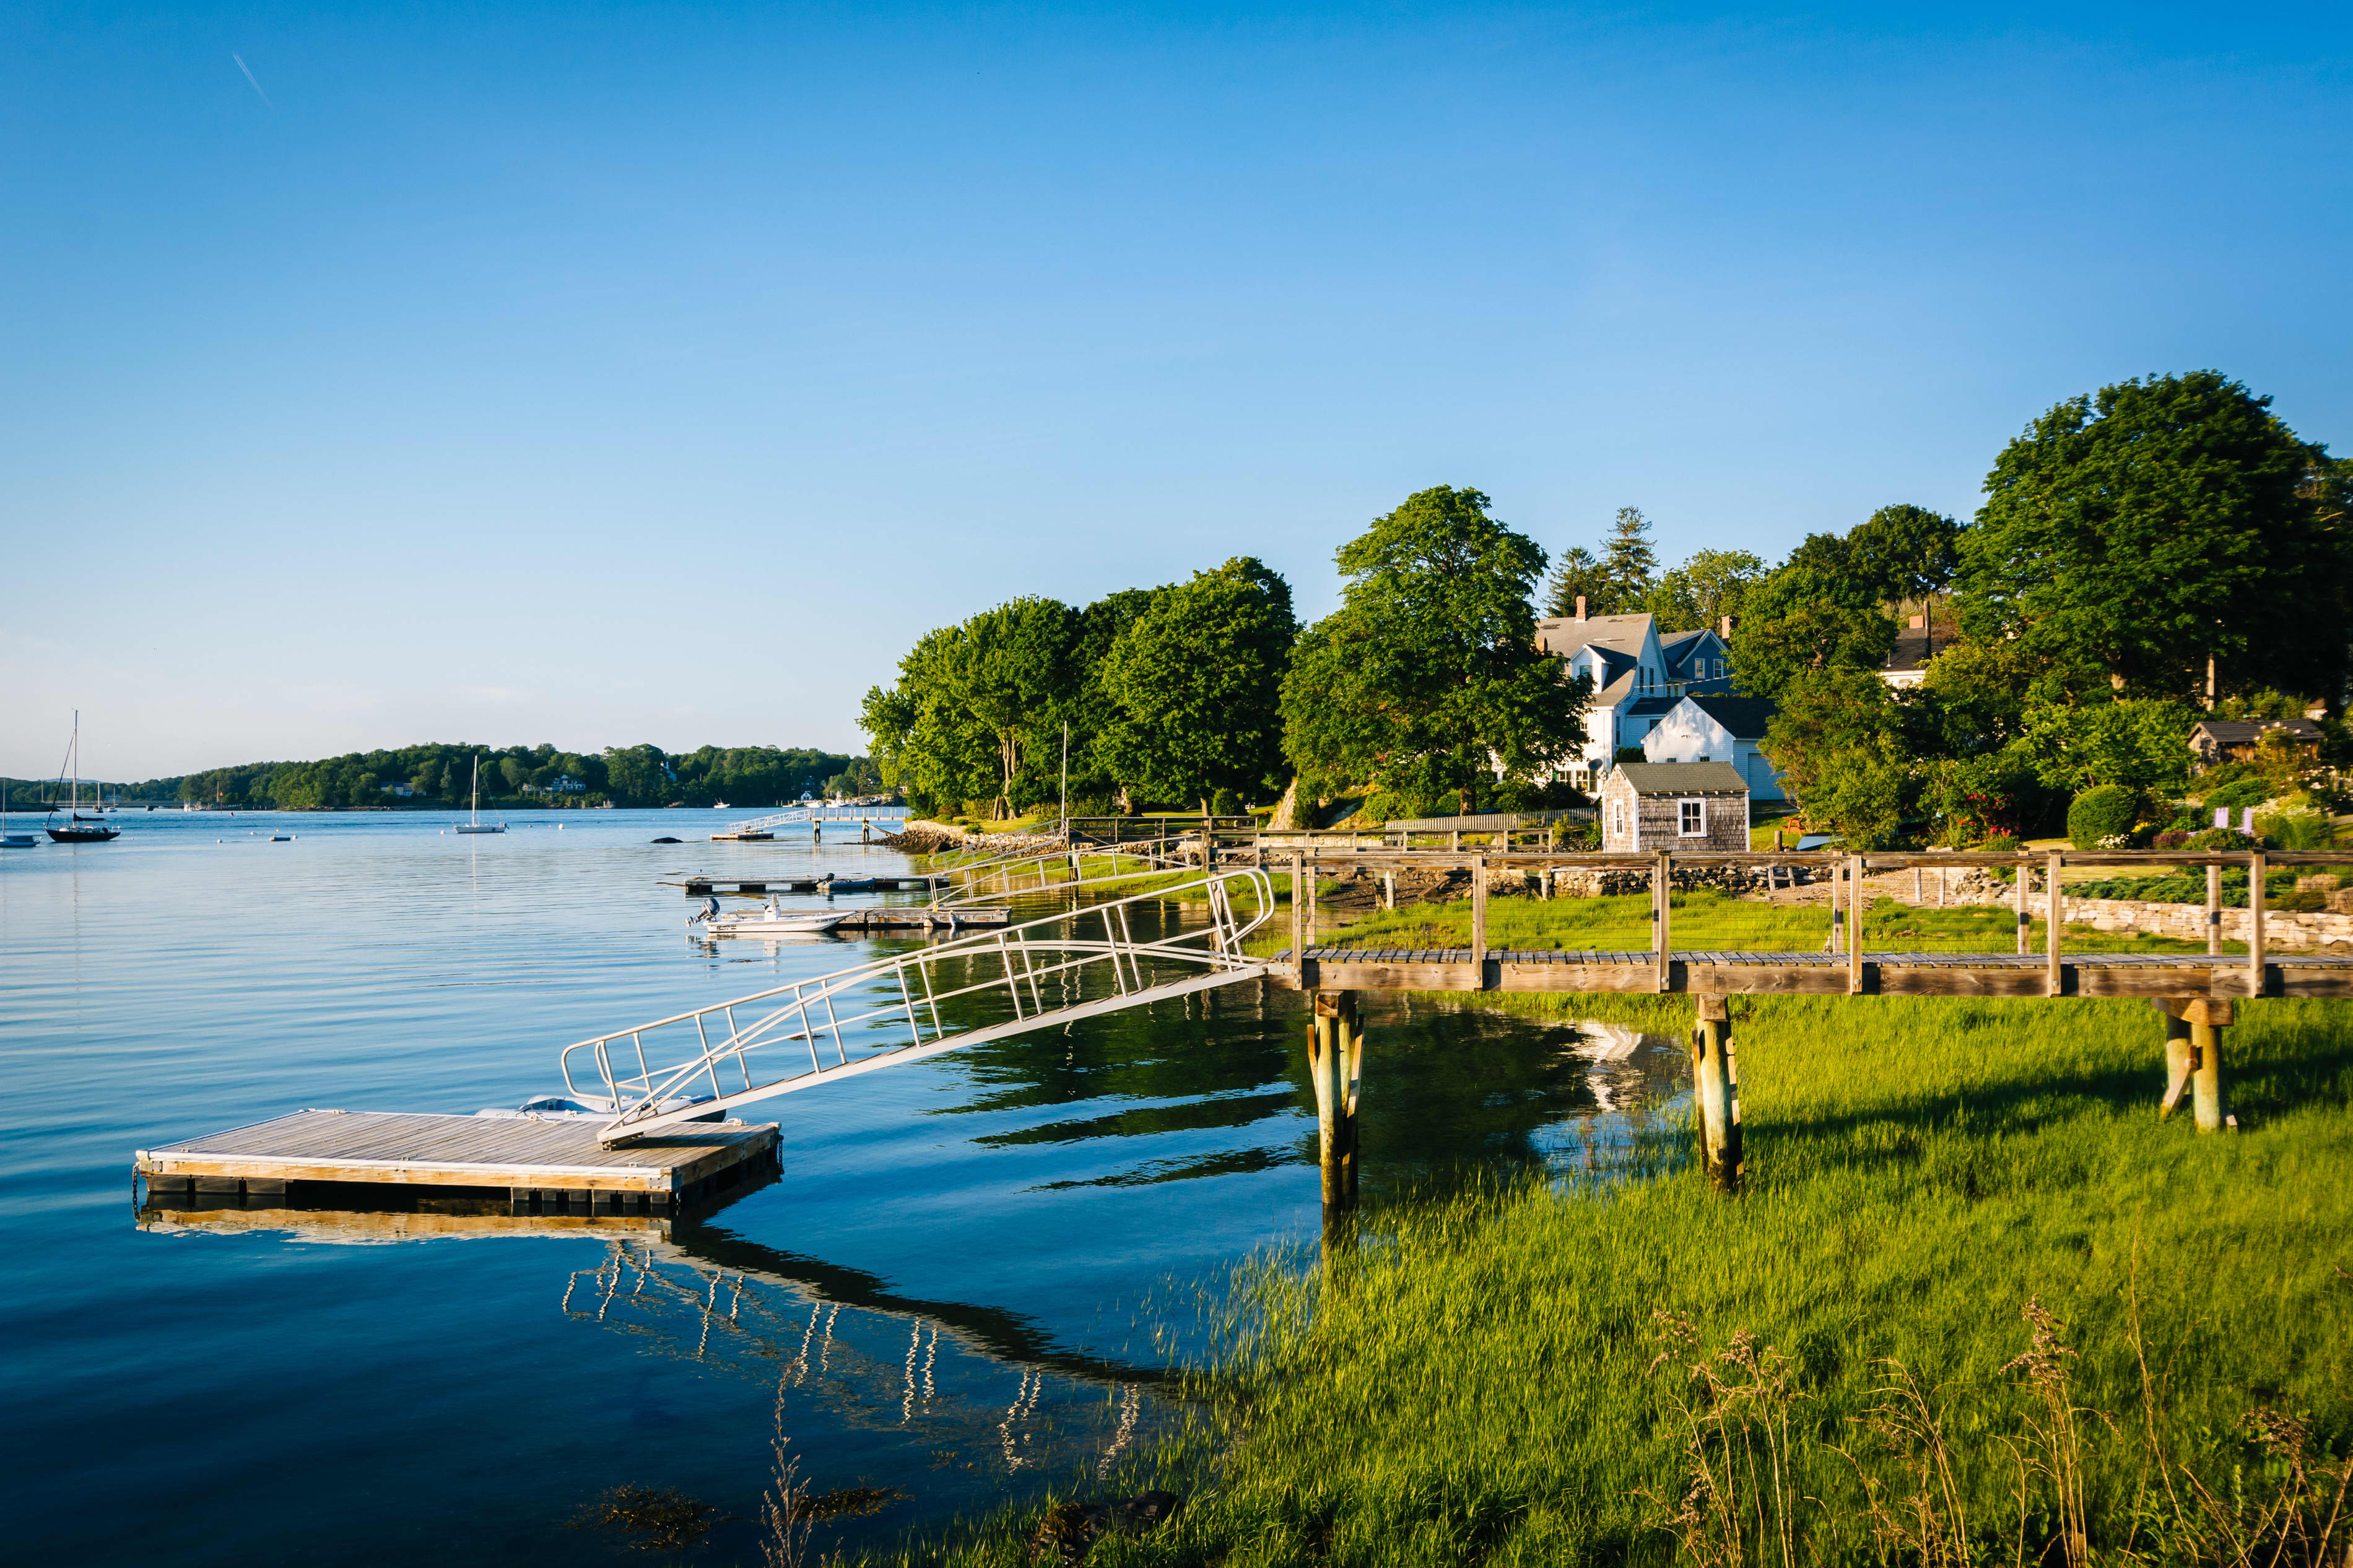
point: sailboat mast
(76, 750)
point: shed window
(1617, 820)
(1692, 814)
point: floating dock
(554, 1164)
(701, 887)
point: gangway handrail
(913, 987)
(1008, 876)
(827, 811)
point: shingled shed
(1674, 805)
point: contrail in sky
(249, 75)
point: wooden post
(2208, 1019)
(1943, 876)
(1454, 842)
(1837, 919)
(1335, 1060)
(1389, 891)
(2255, 923)
(1663, 906)
(1298, 911)
(1479, 920)
(2214, 908)
(2176, 1055)
(1314, 904)
(1855, 905)
(2018, 897)
(2053, 923)
(1716, 1094)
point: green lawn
(1475, 1381)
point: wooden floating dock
(1707, 973)
(555, 1163)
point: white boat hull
(765, 924)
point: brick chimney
(1580, 607)
(1919, 622)
(1724, 628)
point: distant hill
(436, 775)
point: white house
(1638, 676)
(1710, 729)
(1907, 661)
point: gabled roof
(1617, 691)
(1684, 778)
(1743, 718)
(1652, 707)
(1915, 646)
(1564, 635)
(2240, 732)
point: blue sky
(615, 374)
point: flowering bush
(2172, 838)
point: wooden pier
(550, 1163)
(757, 886)
(1743, 974)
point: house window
(1693, 817)
(1617, 820)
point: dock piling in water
(1335, 1062)
(1716, 1094)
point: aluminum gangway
(824, 811)
(1039, 975)
(1063, 870)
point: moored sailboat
(80, 829)
(474, 823)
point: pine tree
(1579, 575)
(1630, 569)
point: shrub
(1226, 803)
(2246, 792)
(2103, 812)
(2220, 839)
(2298, 903)
(2295, 830)
(2172, 838)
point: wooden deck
(757, 886)
(552, 1160)
(1701, 973)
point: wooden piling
(1662, 911)
(1716, 1094)
(2213, 908)
(1389, 891)
(1298, 909)
(2052, 925)
(1855, 905)
(2255, 923)
(1335, 1060)
(2019, 896)
(2176, 1055)
(1478, 911)
(2208, 1018)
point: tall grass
(1976, 1306)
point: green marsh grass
(1478, 1379)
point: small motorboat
(770, 920)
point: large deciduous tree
(1819, 610)
(1195, 685)
(2133, 534)
(1427, 679)
(1710, 585)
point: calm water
(958, 1279)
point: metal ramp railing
(827, 813)
(1061, 870)
(917, 1004)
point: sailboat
(12, 841)
(80, 829)
(474, 823)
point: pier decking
(556, 1162)
(1738, 974)
(700, 886)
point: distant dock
(758, 886)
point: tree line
(2136, 544)
(441, 774)
(1425, 686)
(2146, 554)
